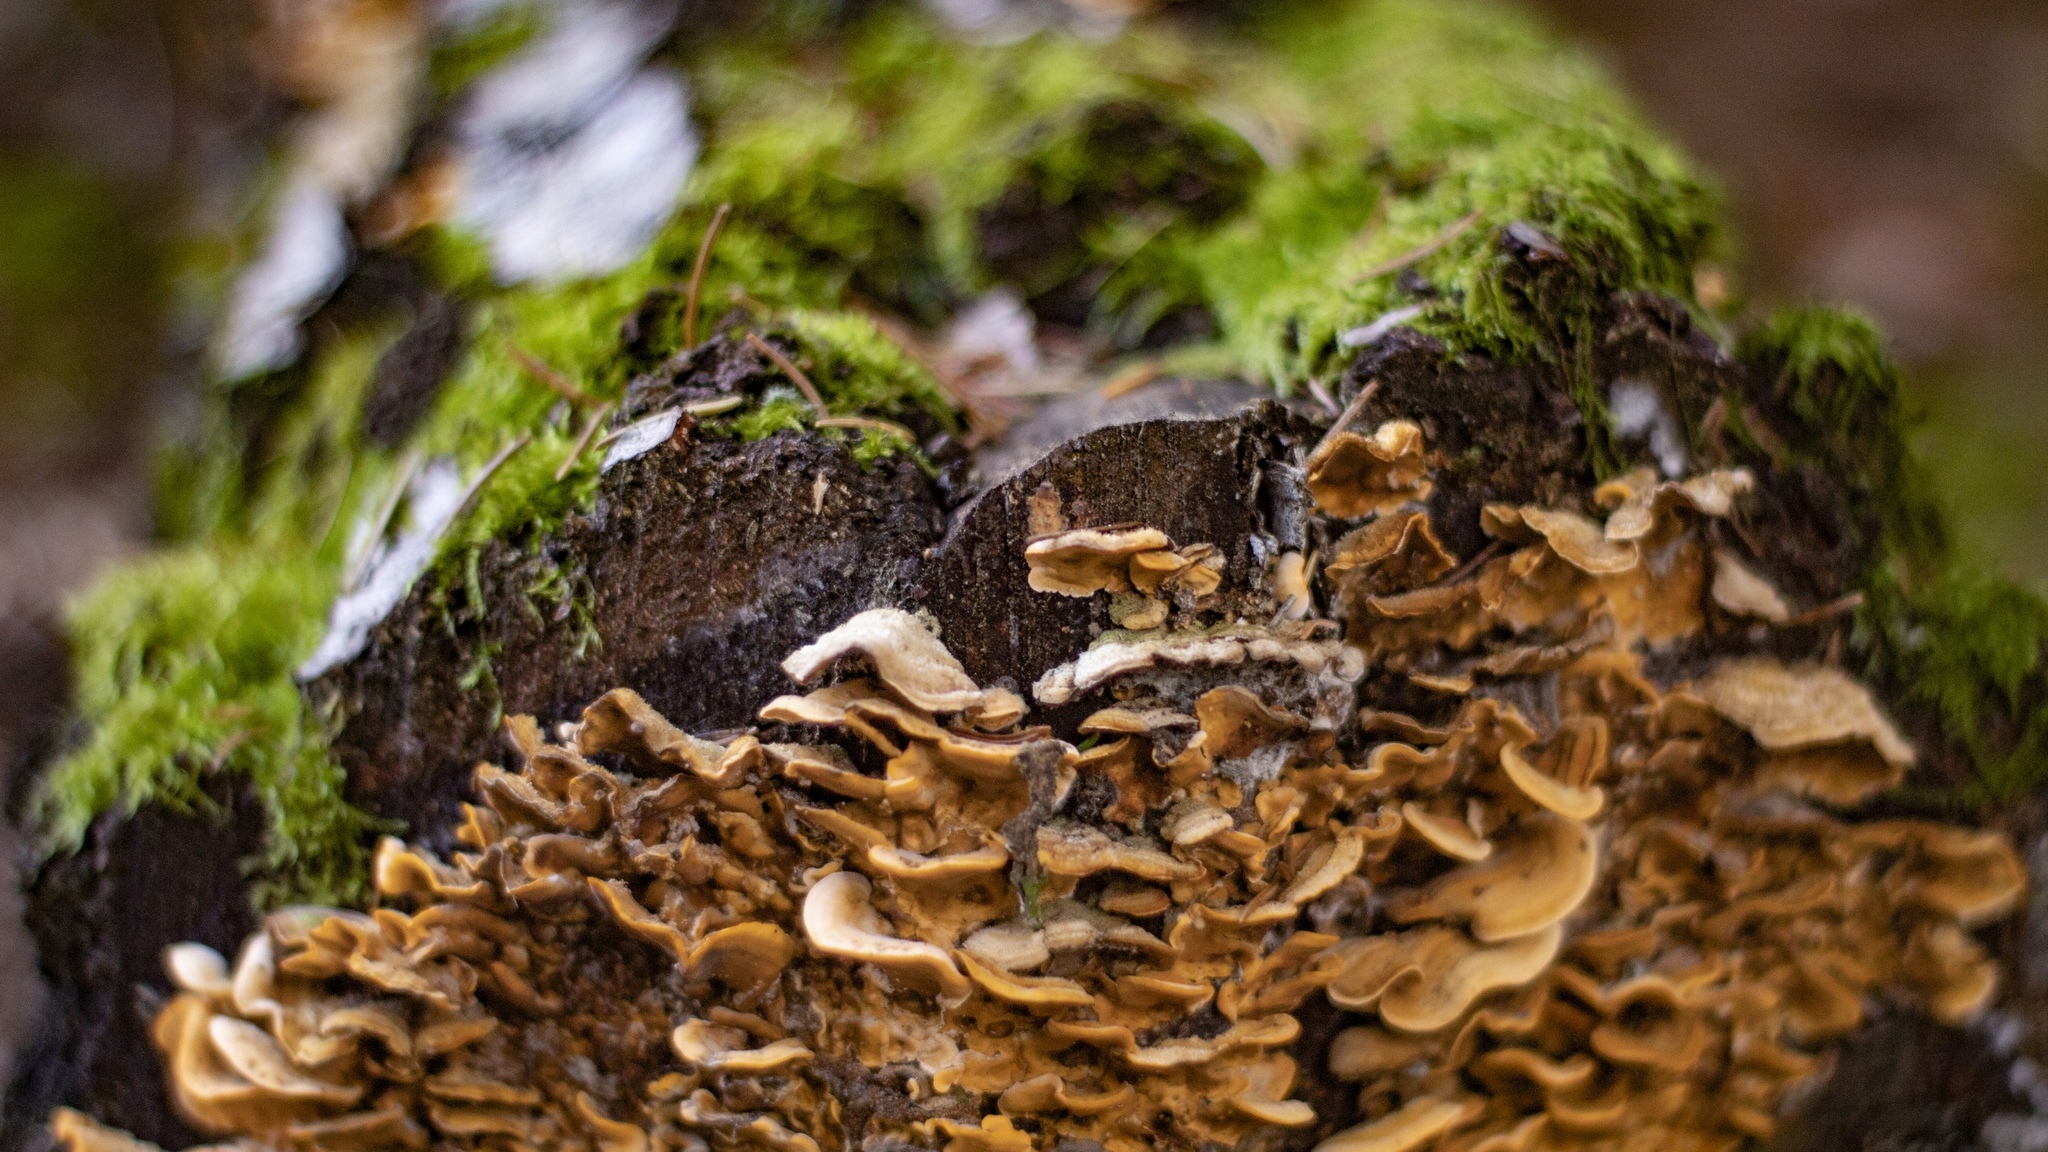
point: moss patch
(1945, 634)
(1974, 648)
(1465, 123)
(184, 658)
(1251, 177)
(859, 369)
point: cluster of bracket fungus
(1724, 934)
(1140, 566)
(1633, 926)
(1559, 905)
(1353, 475)
(1171, 609)
(944, 952)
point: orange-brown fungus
(1353, 475)
(1566, 906)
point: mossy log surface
(699, 562)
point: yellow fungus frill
(1556, 904)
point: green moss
(815, 213)
(491, 400)
(183, 659)
(780, 410)
(876, 445)
(481, 677)
(183, 665)
(1085, 174)
(1828, 368)
(1447, 110)
(459, 261)
(1086, 156)
(1935, 625)
(858, 369)
(1160, 173)
(1974, 648)
(559, 595)
(476, 49)
(968, 117)
(1299, 226)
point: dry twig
(380, 519)
(789, 369)
(1422, 252)
(582, 441)
(888, 426)
(1131, 379)
(697, 273)
(1351, 412)
(1828, 611)
(1321, 393)
(540, 370)
(1491, 550)
(490, 469)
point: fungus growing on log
(1176, 770)
(1352, 475)
(1619, 919)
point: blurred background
(1891, 155)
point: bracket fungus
(1351, 475)
(1819, 729)
(1084, 561)
(1139, 565)
(911, 662)
(1557, 903)
(839, 921)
